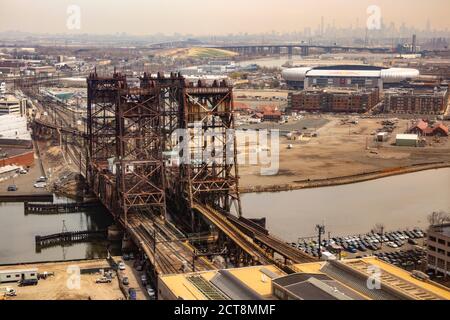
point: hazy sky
(203, 17)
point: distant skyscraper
(322, 26)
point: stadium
(362, 76)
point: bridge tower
(211, 176)
(102, 105)
(139, 163)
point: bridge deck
(173, 254)
(234, 228)
(237, 236)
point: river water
(398, 202)
(18, 231)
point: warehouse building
(321, 280)
(334, 100)
(346, 76)
(407, 140)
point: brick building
(416, 101)
(334, 100)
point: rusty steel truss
(130, 130)
(211, 176)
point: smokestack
(414, 43)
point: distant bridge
(304, 48)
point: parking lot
(401, 248)
(23, 182)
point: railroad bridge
(181, 214)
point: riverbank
(341, 153)
(398, 202)
(342, 180)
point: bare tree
(438, 217)
(378, 228)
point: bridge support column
(290, 50)
(305, 51)
(127, 243)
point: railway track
(268, 240)
(237, 236)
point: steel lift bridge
(182, 214)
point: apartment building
(334, 100)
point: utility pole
(320, 230)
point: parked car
(144, 279)
(125, 281)
(139, 267)
(28, 282)
(103, 280)
(121, 266)
(412, 242)
(132, 294)
(352, 249)
(8, 292)
(125, 257)
(40, 185)
(23, 171)
(12, 187)
(42, 179)
(151, 293)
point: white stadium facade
(347, 76)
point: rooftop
(396, 283)
(241, 283)
(443, 229)
(331, 280)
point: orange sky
(203, 17)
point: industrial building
(438, 249)
(416, 101)
(16, 148)
(11, 105)
(323, 280)
(346, 76)
(407, 140)
(334, 100)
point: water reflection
(18, 231)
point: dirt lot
(56, 288)
(343, 150)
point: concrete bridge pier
(127, 243)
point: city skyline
(198, 18)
